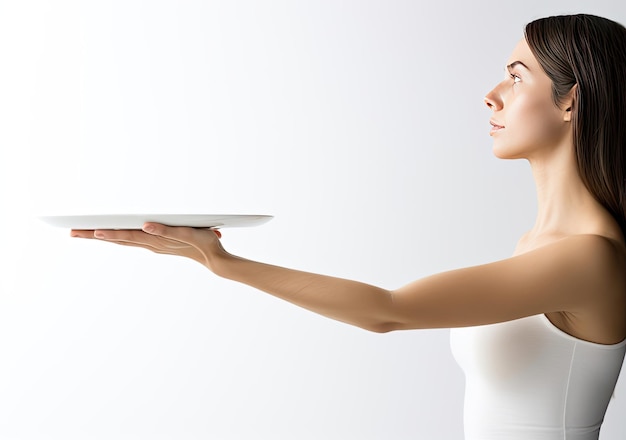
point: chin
(502, 154)
(508, 152)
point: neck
(564, 204)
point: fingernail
(148, 228)
(98, 234)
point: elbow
(385, 319)
(381, 327)
(379, 316)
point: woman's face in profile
(525, 120)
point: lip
(495, 126)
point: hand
(201, 245)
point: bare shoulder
(586, 251)
(597, 266)
(579, 283)
(593, 262)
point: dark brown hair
(590, 52)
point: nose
(493, 100)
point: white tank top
(528, 380)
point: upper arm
(567, 276)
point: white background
(359, 124)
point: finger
(129, 235)
(136, 238)
(81, 233)
(90, 234)
(191, 236)
(147, 246)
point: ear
(568, 103)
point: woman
(541, 335)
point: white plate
(136, 221)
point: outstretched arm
(571, 275)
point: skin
(569, 266)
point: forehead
(522, 53)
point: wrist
(219, 262)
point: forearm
(348, 301)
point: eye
(516, 78)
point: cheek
(534, 116)
(530, 125)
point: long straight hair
(590, 52)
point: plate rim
(136, 220)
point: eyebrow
(515, 63)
